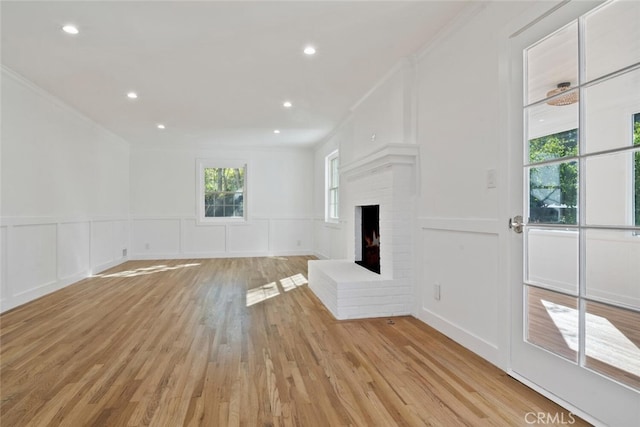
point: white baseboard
(470, 341)
(50, 287)
(102, 267)
(38, 292)
(206, 255)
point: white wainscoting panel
(153, 238)
(41, 255)
(552, 258)
(102, 242)
(121, 239)
(203, 239)
(4, 291)
(287, 234)
(250, 237)
(32, 257)
(613, 266)
(329, 240)
(182, 237)
(74, 243)
(462, 257)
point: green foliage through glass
(553, 188)
(224, 192)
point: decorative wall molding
(181, 237)
(60, 256)
(468, 225)
(10, 221)
(454, 253)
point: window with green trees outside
(553, 187)
(224, 192)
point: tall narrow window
(221, 190)
(332, 187)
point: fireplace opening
(369, 242)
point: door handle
(516, 223)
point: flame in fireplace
(373, 241)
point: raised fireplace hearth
(375, 279)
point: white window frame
(330, 187)
(201, 165)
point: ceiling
(213, 72)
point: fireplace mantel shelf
(387, 155)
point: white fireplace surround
(386, 177)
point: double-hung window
(222, 188)
(332, 187)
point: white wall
(459, 133)
(278, 202)
(65, 194)
(446, 100)
(329, 240)
(380, 117)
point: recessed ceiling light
(276, 131)
(287, 104)
(132, 95)
(310, 50)
(70, 29)
(160, 126)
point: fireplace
(368, 237)
(378, 191)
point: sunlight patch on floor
(270, 290)
(604, 341)
(145, 270)
(264, 292)
(293, 282)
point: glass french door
(576, 293)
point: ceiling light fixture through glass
(70, 29)
(568, 98)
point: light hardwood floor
(228, 342)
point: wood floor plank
(236, 342)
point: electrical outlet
(299, 242)
(124, 252)
(147, 246)
(436, 291)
